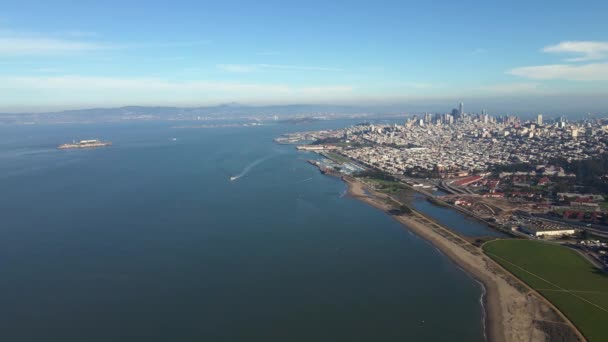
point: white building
(546, 230)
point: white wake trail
(249, 167)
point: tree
(404, 209)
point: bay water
(150, 240)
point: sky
(520, 54)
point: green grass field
(337, 157)
(386, 186)
(563, 276)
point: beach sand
(513, 311)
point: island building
(85, 144)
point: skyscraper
(539, 119)
(455, 114)
(461, 109)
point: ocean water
(149, 240)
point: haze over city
(512, 57)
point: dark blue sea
(149, 240)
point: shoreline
(511, 310)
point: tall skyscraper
(539, 119)
(461, 109)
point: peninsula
(531, 181)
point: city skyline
(66, 56)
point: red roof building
(467, 181)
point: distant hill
(552, 106)
(223, 111)
(300, 121)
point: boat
(85, 144)
(233, 178)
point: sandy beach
(513, 311)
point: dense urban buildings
(445, 146)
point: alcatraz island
(85, 144)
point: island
(85, 144)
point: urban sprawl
(528, 176)
(458, 145)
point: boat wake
(249, 167)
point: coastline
(512, 310)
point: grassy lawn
(386, 186)
(563, 276)
(337, 157)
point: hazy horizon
(571, 107)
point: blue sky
(71, 54)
